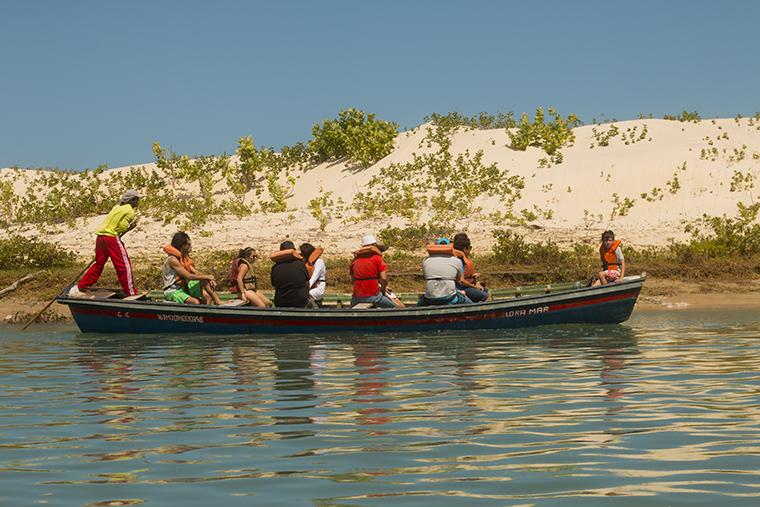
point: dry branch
(18, 282)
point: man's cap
(368, 239)
(129, 195)
(442, 241)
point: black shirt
(290, 281)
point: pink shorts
(612, 275)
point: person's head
(287, 245)
(368, 239)
(462, 242)
(306, 250)
(608, 236)
(131, 197)
(248, 253)
(181, 241)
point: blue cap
(442, 241)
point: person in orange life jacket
(243, 281)
(182, 283)
(317, 270)
(442, 271)
(108, 245)
(611, 256)
(472, 288)
(369, 274)
(290, 278)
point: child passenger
(611, 256)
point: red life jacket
(235, 269)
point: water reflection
(655, 410)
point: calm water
(663, 410)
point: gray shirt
(440, 276)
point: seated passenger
(289, 278)
(243, 281)
(442, 271)
(611, 256)
(469, 284)
(369, 274)
(181, 281)
(317, 271)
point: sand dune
(578, 193)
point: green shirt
(118, 221)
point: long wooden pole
(53, 300)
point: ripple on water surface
(661, 410)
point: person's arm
(621, 260)
(383, 281)
(319, 269)
(188, 275)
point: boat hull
(607, 304)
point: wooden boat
(566, 303)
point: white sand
(578, 191)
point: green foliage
(449, 186)
(355, 135)
(20, 252)
(742, 181)
(550, 137)
(715, 236)
(480, 121)
(685, 116)
(511, 248)
(414, 237)
(324, 209)
(603, 138)
(621, 207)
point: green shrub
(20, 252)
(714, 236)
(481, 121)
(511, 248)
(412, 238)
(355, 135)
(450, 187)
(685, 116)
(550, 137)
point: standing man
(109, 246)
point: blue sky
(96, 82)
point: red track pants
(110, 247)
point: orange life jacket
(469, 266)
(186, 261)
(312, 259)
(367, 251)
(286, 255)
(609, 259)
(440, 250)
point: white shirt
(320, 273)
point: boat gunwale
(629, 283)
